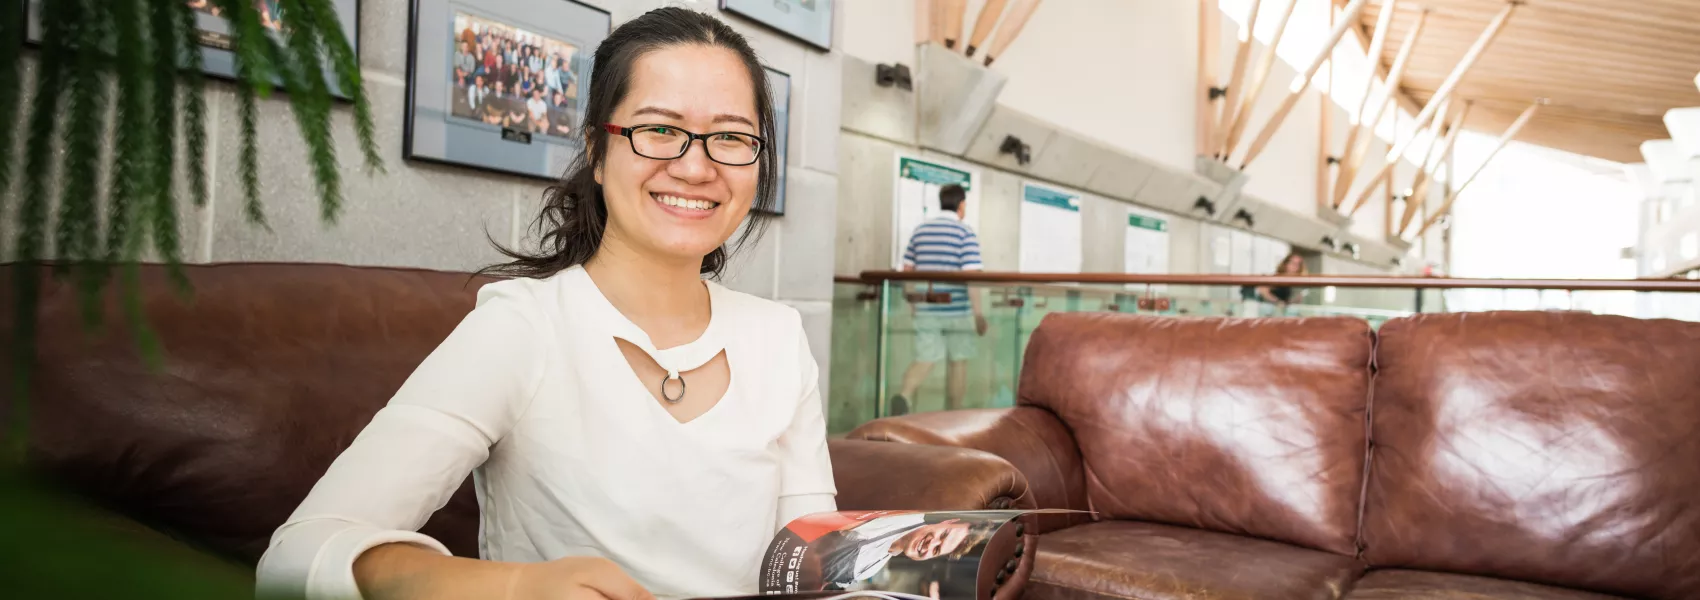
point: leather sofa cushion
(1422, 585)
(1246, 426)
(267, 374)
(1555, 448)
(1120, 560)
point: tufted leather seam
(1374, 367)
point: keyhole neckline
(675, 360)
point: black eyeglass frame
(691, 139)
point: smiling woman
(565, 391)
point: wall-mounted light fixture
(896, 74)
(1329, 242)
(1206, 204)
(1242, 215)
(1352, 248)
(1020, 150)
(1398, 261)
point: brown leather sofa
(1499, 455)
(270, 370)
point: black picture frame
(779, 87)
(220, 62)
(783, 16)
(438, 128)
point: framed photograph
(806, 20)
(216, 56)
(779, 86)
(500, 85)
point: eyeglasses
(666, 142)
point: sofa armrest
(875, 475)
(1031, 438)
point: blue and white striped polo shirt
(944, 243)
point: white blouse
(571, 455)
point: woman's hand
(408, 572)
(574, 578)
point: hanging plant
(140, 61)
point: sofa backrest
(1245, 426)
(267, 373)
(1559, 448)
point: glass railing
(904, 344)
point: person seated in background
(1274, 300)
(458, 93)
(475, 95)
(552, 75)
(539, 109)
(561, 116)
(600, 473)
(496, 106)
(517, 116)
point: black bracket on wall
(1242, 215)
(1218, 92)
(1333, 160)
(1014, 146)
(1352, 248)
(890, 75)
(1206, 204)
(1331, 243)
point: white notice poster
(1147, 249)
(1050, 230)
(916, 199)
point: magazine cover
(942, 555)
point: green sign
(1144, 222)
(1050, 197)
(935, 174)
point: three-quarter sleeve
(415, 453)
(806, 469)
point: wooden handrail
(1309, 281)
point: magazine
(894, 555)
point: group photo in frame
(809, 21)
(217, 59)
(499, 85)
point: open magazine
(894, 555)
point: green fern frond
(255, 67)
(11, 43)
(313, 106)
(347, 66)
(79, 218)
(32, 217)
(194, 98)
(132, 182)
(161, 196)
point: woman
(599, 472)
(1281, 296)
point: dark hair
(574, 215)
(951, 196)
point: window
(1690, 246)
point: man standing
(950, 318)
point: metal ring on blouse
(669, 377)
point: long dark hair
(574, 214)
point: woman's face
(1294, 264)
(686, 207)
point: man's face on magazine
(932, 541)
